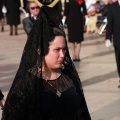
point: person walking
(75, 24)
(2, 18)
(47, 85)
(33, 10)
(113, 31)
(13, 15)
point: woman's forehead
(58, 40)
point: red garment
(79, 1)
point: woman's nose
(62, 53)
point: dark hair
(56, 32)
(28, 5)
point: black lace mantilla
(24, 100)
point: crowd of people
(52, 90)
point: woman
(13, 15)
(75, 23)
(46, 86)
(2, 101)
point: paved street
(97, 70)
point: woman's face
(56, 54)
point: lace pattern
(24, 98)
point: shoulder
(114, 4)
(113, 7)
(26, 20)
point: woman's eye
(57, 49)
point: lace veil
(24, 98)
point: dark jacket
(13, 11)
(113, 25)
(27, 24)
(104, 10)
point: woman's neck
(49, 74)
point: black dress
(67, 106)
(75, 20)
(1, 13)
(13, 12)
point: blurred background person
(33, 10)
(2, 18)
(112, 1)
(13, 15)
(97, 6)
(74, 12)
(113, 31)
(91, 24)
(102, 14)
(104, 9)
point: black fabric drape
(24, 98)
